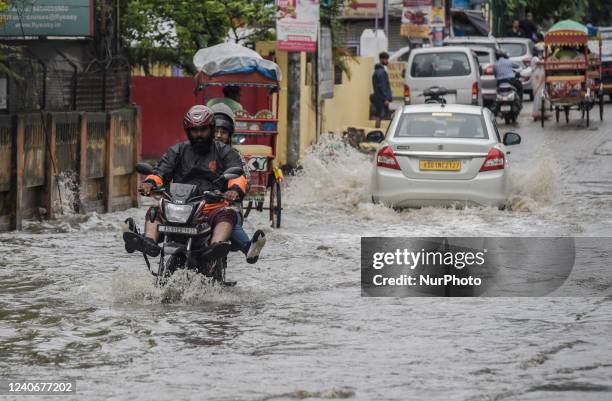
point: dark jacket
(518, 34)
(380, 83)
(183, 165)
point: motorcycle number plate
(177, 230)
(506, 107)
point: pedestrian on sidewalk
(515, 30)
(381, 98)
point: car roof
(483, 49)
(441, 49)
(514, 40)
(448, 108)
(470, 39)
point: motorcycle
(508, 103)
(435, 94)
(185, 230)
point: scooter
(508, 104)
(435, 94)
(185, 232)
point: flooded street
(75, 306)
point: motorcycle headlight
(178, 213)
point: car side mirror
(480, 69)
(403, 73)
(144, 168)
(512, 138)
(375, 136)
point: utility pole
(386, 11)
(293, 108)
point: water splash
(534, 186)
(184, 288)
(332, 173)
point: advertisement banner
(437, 17)
(416, 18)
(48, 18)
(355, 9)
(396, 79)
(297, 25)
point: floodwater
(75, 306)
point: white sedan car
(442, 155)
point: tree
(170, 32)
(9, 54)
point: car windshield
(441, 125)
(430, 65)
(484, 57)
(514, 49)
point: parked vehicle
(572, 74)
(455, 68)
(486, 59)
(470, 41)
(443, 154)
(520, 51)
(401, 55)
(606, 60)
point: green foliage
(8, 54)
(595, 11)
(170, 32)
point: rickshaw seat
(254, 150)
(557, 78)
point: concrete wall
(350, 104)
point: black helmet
(224, 117)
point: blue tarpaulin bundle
(230, 58)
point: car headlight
(178, 213)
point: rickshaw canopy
(231, 63)
(567, 32)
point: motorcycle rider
(224, 128)
(198, 161)
(504, 72)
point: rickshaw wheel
(557, 113)
(601, 106)
(248, 209)
(275, 205)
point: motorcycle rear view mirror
(144, 168)
(233, 172)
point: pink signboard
(297, 25)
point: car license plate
(177, 230)
(506, 107)
(440, 165)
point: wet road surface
(75, 305)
